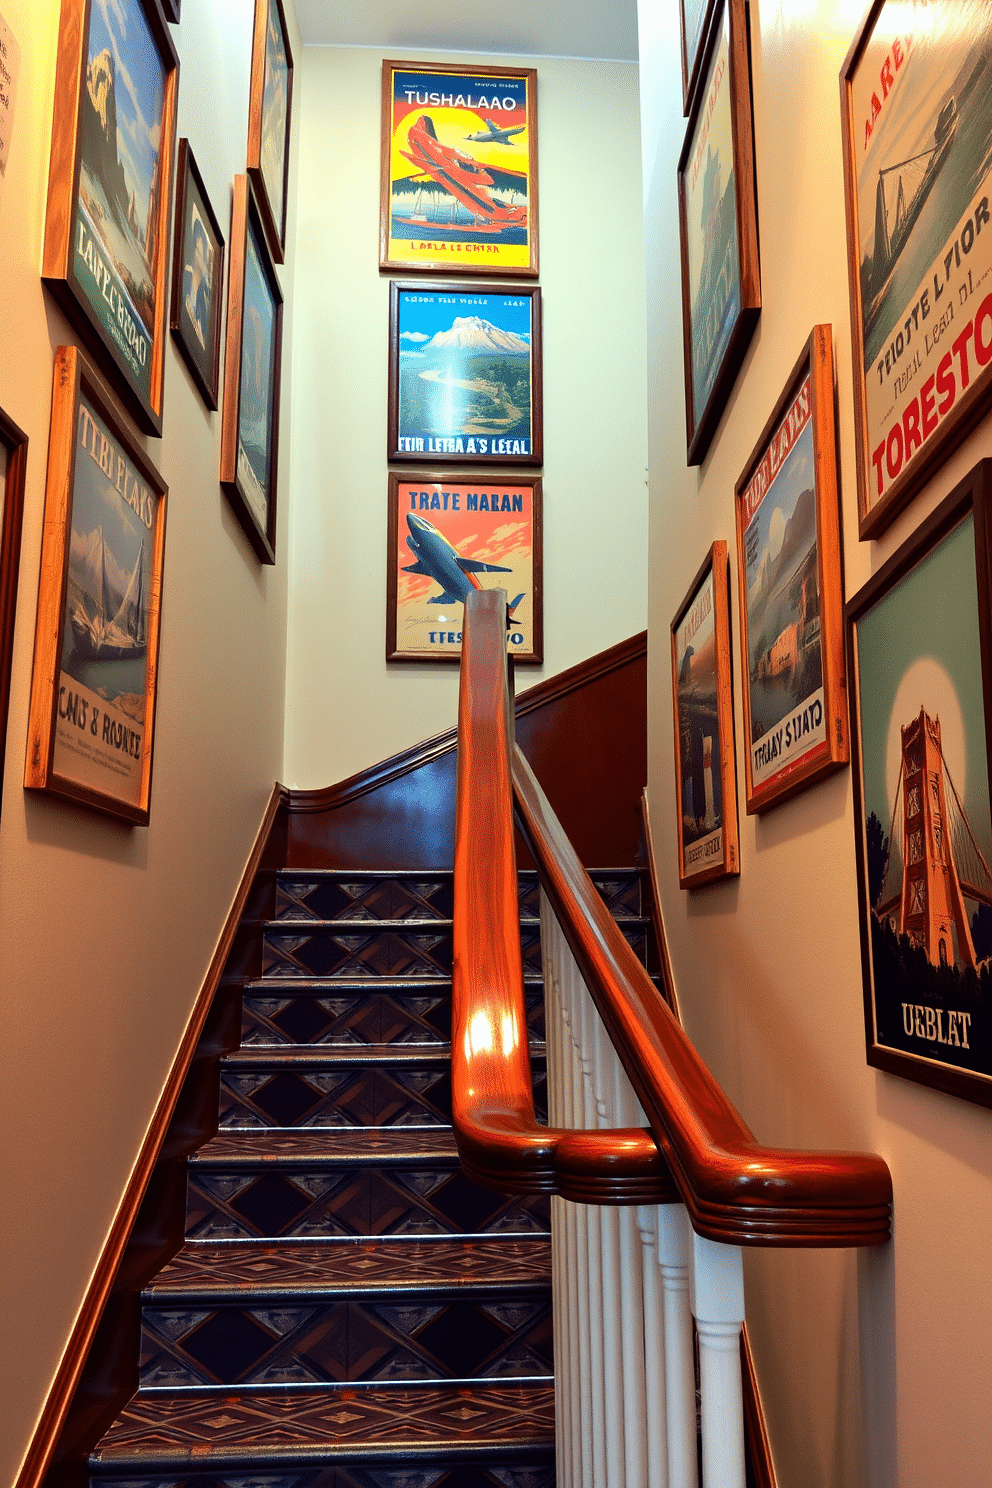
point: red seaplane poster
(459, 169)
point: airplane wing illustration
(472, 565)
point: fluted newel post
(674, 1259)
(718, 1307)
(636, 1401)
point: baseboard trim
(59, 1400)
(327, 798)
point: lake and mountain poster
(463, 374)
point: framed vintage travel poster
(718, 224)
(197, 279)
(249, 447)
(459, 169)
(917, 117)
(93, 684)
(921, 707)
(106, 249)
(702, 690)
(448, 536)
(465, 374)
(789, 581)
(693, 15)
(13, 465)
(269, 118)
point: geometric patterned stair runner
(349, 1310)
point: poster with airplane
(448, 536)
(459, 169)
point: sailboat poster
(918, 122)
(93, 692)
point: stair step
(203, 1271)
(357, 948)
(374, 1086)
(259, 1430)
(384, 1011)
(346, 1311)
(315, 1182)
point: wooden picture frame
(13, 467)
(465, 374)
(694, 19)
(270, 113)
(106, 249)
(429, 571)
(791, 590)
(718, 228)
(916, 115)
(920, 662)
(458, 191)
(197, 299)
(171, 9)
(702, 699)
(94, 678)
(249, 450)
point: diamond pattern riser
(539, 1474)
(372, 1012)
(338, 1342)
(350, 896)
(358, 950)
(433, 1199)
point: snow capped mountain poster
(465, 375)
(459, 169)
(105, 249)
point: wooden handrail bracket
(698, 1149)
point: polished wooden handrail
(734, 1189)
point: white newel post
(718, 1307)
(674, 1257)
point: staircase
(348, 1310)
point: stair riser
(339, 1342)
(328, 950)
(370, 1096)
(343, 1200)
(534, 1471)
(325, 950)
(365, 1016)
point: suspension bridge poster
(718, 228)
(448, 536)
(106, 253)
(93, 686)
(916, 93)
(459, 169)
(465, 375)
(919, 658)
(789, 581)
(705, 772)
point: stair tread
(319, 1056)
(215, 1427)
(342, 986)
(332, 1267)
(259, 1146)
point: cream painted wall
(875, 1368)
(106, 930)
(346, 708)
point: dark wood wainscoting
(583, 731)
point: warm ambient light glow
(479, 1035)
(510, 1035)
